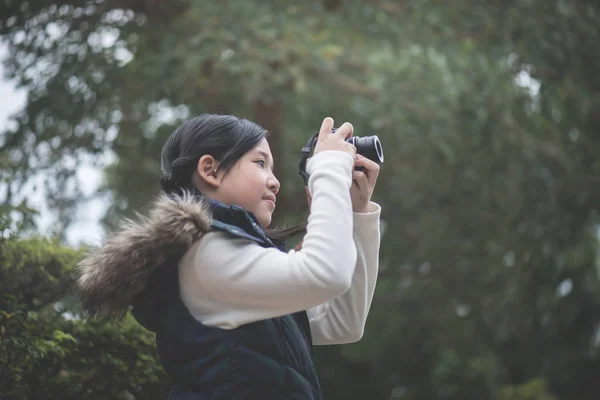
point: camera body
(368, 146)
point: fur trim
(110, 276)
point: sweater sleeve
(227, 282)
(342, 319)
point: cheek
(254, 181)
(248, 186)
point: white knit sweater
(227, 282)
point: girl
(235, 316)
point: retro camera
(368, 146)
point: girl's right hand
(335, 141)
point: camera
(368, 146)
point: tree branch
(343, 82)
(387, 6)
(583, 190)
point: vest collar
(235, 220)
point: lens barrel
(369, 147)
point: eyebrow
(265, 155)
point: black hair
(225, 137)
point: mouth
(270, 199)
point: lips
(271, 199)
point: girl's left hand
(363, 183)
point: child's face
(251, 184)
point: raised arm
(228, 282)
(342, 320)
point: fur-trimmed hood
(111, 276)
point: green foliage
(48, 351)
(535, 389)
(36, 272)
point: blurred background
(489, 114)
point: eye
(261, 163)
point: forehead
(262, 148)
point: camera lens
(368, 146)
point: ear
(207, 169)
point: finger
(360, 179)
(369, 165)
(371, 168)
(326, 128)
(345, 131)
(353, 147)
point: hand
(335, 141)
(363, 183)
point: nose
(273, 184)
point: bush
(533, 390)
(48, 351)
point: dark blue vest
(267, 360)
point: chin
(264, 222)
